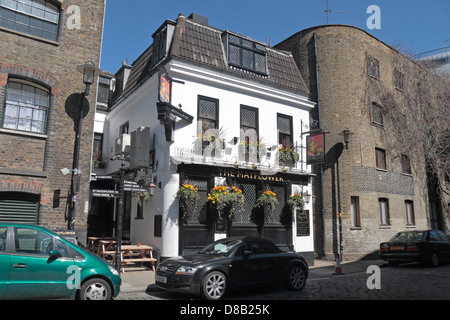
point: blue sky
(416, 25)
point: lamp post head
(346, 133)
(89, 72)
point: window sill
(24, 133)
(54, 43)
(24, 173)
(377, 124)
(385, 227)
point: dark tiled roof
(140, 72)
(201, 44)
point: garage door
(19, 207)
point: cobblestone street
(405, 282)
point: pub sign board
(165, 88)
(315, 148)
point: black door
(196, 226)
(253, 222)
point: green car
(36, 263)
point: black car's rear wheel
(214, 285)
(296, 278)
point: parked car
(230, 263)
(428, 246)
(36, 263)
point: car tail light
(384, 247)
(412, 247)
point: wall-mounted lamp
(307, 197)
(152, 188)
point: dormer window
(162, 39)
(246, 54)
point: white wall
(139, 109)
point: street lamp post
(346, 134)
(89, 71)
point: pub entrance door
(253, 222)
(196, 226)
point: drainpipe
(320, 126)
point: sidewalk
(138, 279)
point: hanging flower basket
(188, 197)
(267, 201)
(225, 199)
(296, 201)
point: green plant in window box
(287, 155)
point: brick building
(358, 81)
(40, 89)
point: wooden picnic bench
(137, 253)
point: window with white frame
(26, 107)
(383, 211)
(410, 221)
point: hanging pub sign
(315, 146)
(165, 88)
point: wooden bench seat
(151, 260)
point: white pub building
(209, 111)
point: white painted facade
(189, 82)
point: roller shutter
(19, 208)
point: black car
(428, 246)
(232, 262)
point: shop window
(34, 17)
(26, 107)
